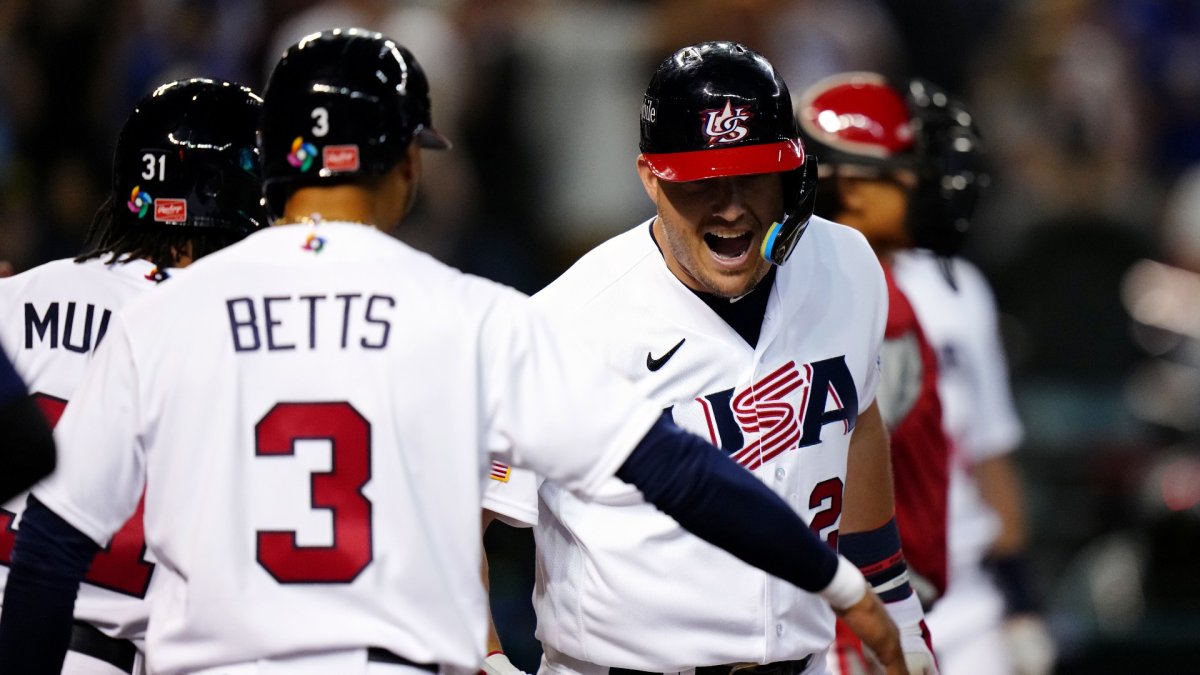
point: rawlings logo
(340, 157)
(170, 210)
(726, 125)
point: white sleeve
(995, 428)
(552, 404)
(512, 494)
(871, 385)
(101, 463)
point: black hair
(162, 245)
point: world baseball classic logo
(139, 202)
(302, 154)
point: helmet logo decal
(313, 243)
(170, 210)
(139, 202)
(726, 125)
(649, 109)
(302, 154)
(340, 157)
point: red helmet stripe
(737, 161)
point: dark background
(1091, 112)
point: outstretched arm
(722, 503)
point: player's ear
(649, 180)
(410, 165)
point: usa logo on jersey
(783, 410)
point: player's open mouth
(728, 246)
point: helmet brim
(680, 167)
(432, 139)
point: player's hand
(871, 623)
(1030, 644)
(918, 652)
(498, 664)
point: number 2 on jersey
(339, 490)
(120, 566)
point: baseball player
(987, 621)
(27, 454)
(872, 179)
(989, 602)
(314, 409)
(775, 363)
(186, 181)
(904, 166)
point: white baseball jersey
(980, 421)
(312, 411)
(53, 317)
(618, 583)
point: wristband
(877, 553)
(847, 587)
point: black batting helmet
(860, 120)
(187, 156)
(341, 104)
(719, 109)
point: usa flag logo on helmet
(726, 125)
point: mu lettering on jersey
(782, 411)
(44, 325)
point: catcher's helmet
(719, 109)
(186, 156)
(860, 120)
(341, 104)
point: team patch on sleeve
(500, 472)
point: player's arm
(544, 392)
(93, 492)
(1028, 637)
(870, 539)
(496, 662)
(27, 451)
(722, 503)
(49, 560)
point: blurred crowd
(1090, 232)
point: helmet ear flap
(800, 197)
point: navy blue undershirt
(744, 315)
(722, 503)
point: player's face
(878, 207)
(711, 231)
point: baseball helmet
(860, 120)
(719, 109)
(341, 104)
(187, 156)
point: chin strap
(782, 236)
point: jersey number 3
(338, 490)
(120, 566)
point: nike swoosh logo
(654, 364)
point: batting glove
(498, 664)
